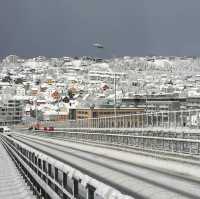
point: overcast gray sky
(126, 27)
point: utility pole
(36, 113)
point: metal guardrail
(168, 119)
(153, 143)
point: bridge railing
(178, 143)
(52, 178)
(168, 119)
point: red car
(51, 128)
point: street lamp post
(36, 113)
(115, 99)
(100, 46)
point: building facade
(104, 117)
(156, 103)
(85, 113)
(11, 112)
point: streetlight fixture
(97, 45)
(100, 46)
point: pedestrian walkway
(12, 185)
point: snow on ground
(12, 184)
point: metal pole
(146, 102)
(36, 113)
(14, 112)
(100, 46)
(115, 108)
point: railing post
(137, 123)
(123, 121)
(129, 122)
(147, 119)
(115, 121)
(132, 124)
(181, 119)
(175, 118)
(190, 122)
(77, 123)
(90, 192)
(157, 119)
(84, 123)
(142, 118)
(96, 122)
(168, 119)
(107, 124)
(100, 123)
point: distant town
(71, 88)
(92, 128)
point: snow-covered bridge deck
(12, 184)
(75, 170)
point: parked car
(30, 128)
(51, 128)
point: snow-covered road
(135, 175)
